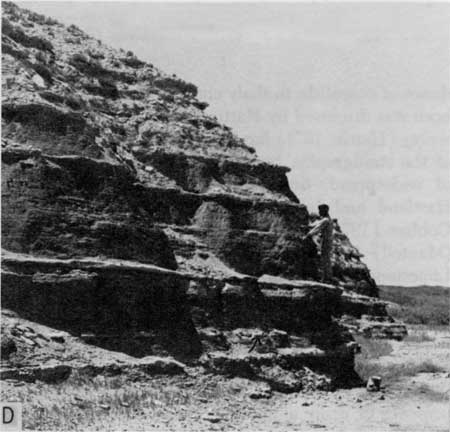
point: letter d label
(11, 417)
(7, 415)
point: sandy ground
(404, 407)
(410, 403)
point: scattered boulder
(261, 391)
(212, 418)
(373, 384)
(281, 380)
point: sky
(353, 97)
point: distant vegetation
(370, 361)
(390, 372)
(418, 305)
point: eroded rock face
(138, 222)
(137, 309)
(73, 206)
(103, 153)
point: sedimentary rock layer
(268, 328)
(97, 139)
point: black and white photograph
(225, 216)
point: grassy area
(105, 403)
(367, 362)
(418, 305)
(395, 371)
(123, 403)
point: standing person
(324, 227)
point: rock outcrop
(127, 208)
(100, 147)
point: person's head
(323, 210)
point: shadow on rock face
(130, 310)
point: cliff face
(126, 208)
(106, 155)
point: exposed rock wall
(72, 206)
(110, 302)
(130, 213)
(127, 151)
(269, 329)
